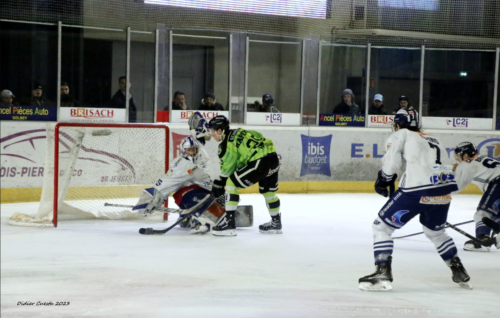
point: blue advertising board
(342, 120)
(316, 155)
(28, 113)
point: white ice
(105, 268)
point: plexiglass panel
(274, 70)
(343, 79)
(458, 84)
(394, 74)
(142, 74)
(28, 59)
(200, 71)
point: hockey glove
(385, 184)
(157, 200)
(218, 187)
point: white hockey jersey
(183, 172)
(480, 171)
(419, 155)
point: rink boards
(314, 159)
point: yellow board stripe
(14, 195)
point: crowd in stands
(348, 105)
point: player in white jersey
(187, 177)
(424, 190)
(485, 173)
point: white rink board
(354, 152)
(457, 123)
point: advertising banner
(457, 123)
(498, 123)
(280, 119)
(382, 121)
(342, 120)
(92, 115)
(308, 153)
(22, 153)
(28, 113)
(182, 116)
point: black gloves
(218, 187)
(385, 184)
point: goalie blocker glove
(385, 183)
(218, 187)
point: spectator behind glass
(347, 105)
(267, 104)
(209, 103)
(66, 99)
(179, 102)
(118, 100)
(404, 103)
(7, 98)
(37, 98)
(377, 107)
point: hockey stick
(491, 224)
(486, 243)
(400, 237)
(164, 210)
(201, 206)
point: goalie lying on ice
(189, 180)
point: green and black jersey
(240, 147)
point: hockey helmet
(219, 121)
(406, 119)
(189, 147)
(465, 148)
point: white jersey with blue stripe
(419, 155)
(480, 170)
(185, 171)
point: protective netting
(99, 165)
(470, 24)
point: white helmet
(188, 143)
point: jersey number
(490, 163)
(438, 153)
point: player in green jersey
(246, 158)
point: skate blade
(224, 233)
(271, 231)
(380, 286)
(465, 285)
(481, 249)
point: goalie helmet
(466, 148)
(189, 143)
(217, 122)
(406, 119)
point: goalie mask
(465, 148)
(189, 147)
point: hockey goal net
(87, 165)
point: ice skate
(226, 225)
(472, 246)
(459, 275)
(272, 227)
(198, 228)
(380, 280)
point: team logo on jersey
(396, 218)
(443, 199)
(490, 148)
(442, 178)
(316, 155)
(496, 206)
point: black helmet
(466, 148)
(219, 121)
(406, 119)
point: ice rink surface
(105, 268)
